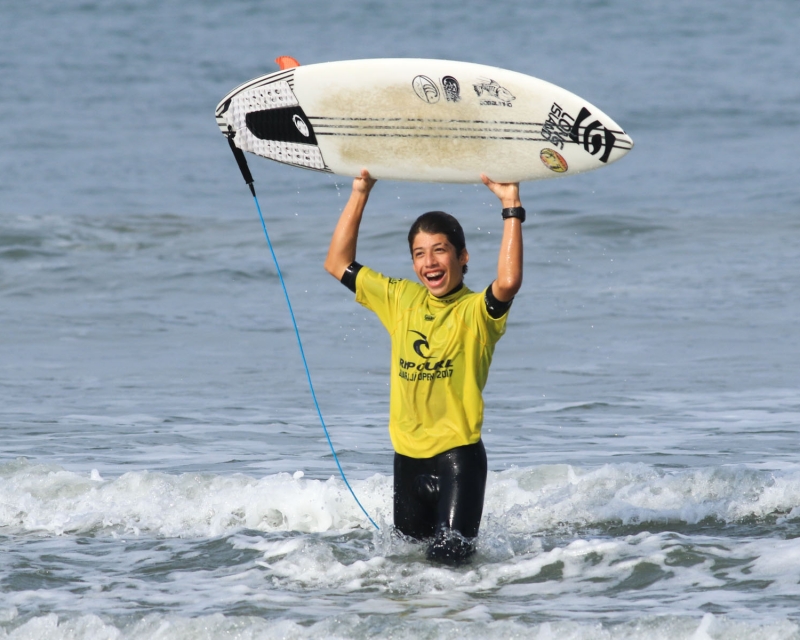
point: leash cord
(248, 178)
(305, 363)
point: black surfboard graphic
(286, 124)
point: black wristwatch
(514, 212)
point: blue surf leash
(248, 178)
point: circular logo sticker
(426, 89)
(302, 127)
(553, 160)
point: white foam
(540, 498)
(348, 583)
(51, 500)
(631, 576)
(48, 499)
(219, 627)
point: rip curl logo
(419, 344)
(426, 89)
(491, 93)
(302, 127)
(428, 370)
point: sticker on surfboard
(422, 120)
(553, 160)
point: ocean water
(163, 473)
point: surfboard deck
(420, 120)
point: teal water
(163, 473)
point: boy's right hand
(363, 183)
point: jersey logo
(429, 369)
(419, 344)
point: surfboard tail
(264, 117)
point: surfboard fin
(286, 62)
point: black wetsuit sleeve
(494, 307)
(349, 276)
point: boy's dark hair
(439, 222)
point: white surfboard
(422, 120)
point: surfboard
(421, 120)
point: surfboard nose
(624, 141)
(598, 135)
(622, 145)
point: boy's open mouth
(434, 277)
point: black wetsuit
(441, 498)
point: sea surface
(163, 472)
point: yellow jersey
(441, 352)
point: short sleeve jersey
(441, 352)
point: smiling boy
(443, 337)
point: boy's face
(436, 264)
